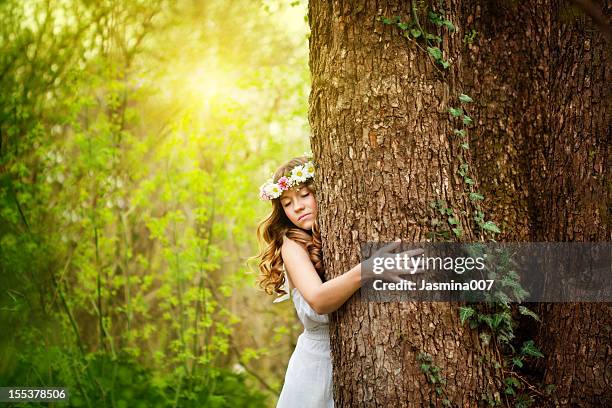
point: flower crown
(299, 174)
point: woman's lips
(303, 216)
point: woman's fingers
(413, 252)
(389, 247)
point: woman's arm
(322, 297)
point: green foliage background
(133, 138)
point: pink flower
(283, 183)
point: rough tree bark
(380, 138)
(540, 72)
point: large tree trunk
(540, 71)
(380, 123)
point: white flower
(298, 174)
(309, 169)
(273, 190)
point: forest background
(134, 137)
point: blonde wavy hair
(270, 235)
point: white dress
(308, 380)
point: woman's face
(300, 207)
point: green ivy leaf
(456, 112)
(459, 132)
(445, 64)
(465, 312)
(529, 348)
(449, 25)
(435, 38)
(490, 226)
(434, 52)
(458, 231)
(465, 98)
(467, 120)
(468, 181)
(476, 197)
(497, 319)
(512, 382)
(465, 146)
(403, 26)
(528, 312)
(517, 361)
(415, 33)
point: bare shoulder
(295, 257)
(290, 247)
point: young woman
(291, 266)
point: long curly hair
(270, 235)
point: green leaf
(458, 231)
(496, 320)
(459, 132)
(445, 64)
(468, 181)
(415, 33)
(453, 221)
(517, 361)
(456, 112)
(434, 52)
(486, 319)
(530, 349)
(476, 197)
(490, 226)
(465, 312)
(434, 37)
(512, 382)
(449, 25)
(403, 26)
(528, 312)
(465, 146)
(465, 98)
(467, 120)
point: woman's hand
(389, 266)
